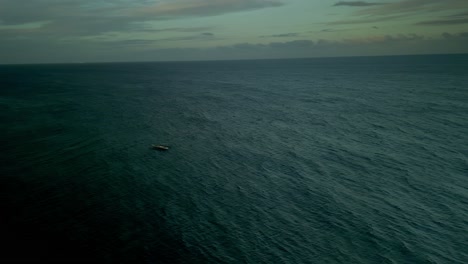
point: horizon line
(227, 60)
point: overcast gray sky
(44, 31)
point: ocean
(327, 160)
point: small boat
(160, 147)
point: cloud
(151, 42)
(178, 8)
(90, 17)
(411, 9)
(202, 36)
(283, 35)
(133, 42)
(455, 36)
(385, 39)
(174, 29)
(443, 22)
(356, 3)
(463, 14)
(100, 30)
(147, 50)
(331, 30)
(365, 20)
(302, 43)
(372, 45)
(453, 19)
(415, 6)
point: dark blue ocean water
(340, 160)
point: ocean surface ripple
(339, 160)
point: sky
(58, 31)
